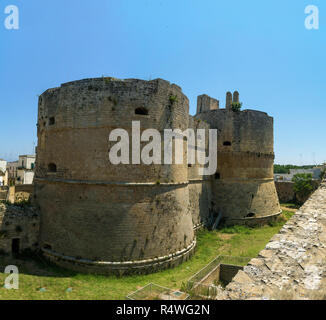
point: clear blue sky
(260, 48)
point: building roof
(28, 155)
(12, 162)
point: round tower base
(247, 201)
(253, 222)
(121, 268)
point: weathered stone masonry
(110, 217)
(99, 217)
(19, 229)
(286, 193)
(243, 188)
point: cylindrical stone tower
(243, 189)
(104, 218)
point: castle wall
(200, 202)
(286, 193)
(199, 185)
(206, 103)
(110, 217)
(20, 224)
(243, 187)
(137, 217)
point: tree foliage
(303, 185)
(280, 168)
(323, 174)
(236, 106)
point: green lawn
(290, 205)
(36, 274)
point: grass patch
(288, 214)
(290, 205)
(173, 99)
(36, 273)
(236, 229)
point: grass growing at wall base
(40, 280)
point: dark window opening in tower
(141, 111)
(52, 167)
(250, 215)
(15, 246)
(227, 143)
(217, 176)
(52, 121)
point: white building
(12, 170)
(25, 169)
(3, 165)
(27, 162)
(3, 172)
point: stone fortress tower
(101, 216)
(243, 189)
(105, 218)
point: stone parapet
(293, 263)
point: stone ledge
(232, 180)
(125, 267)
(114, 183)
(253, 220)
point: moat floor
(39, 280)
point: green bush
(236, 106)
(173, 99)
(281, 169)
(302, 184)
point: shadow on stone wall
(34, 264)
